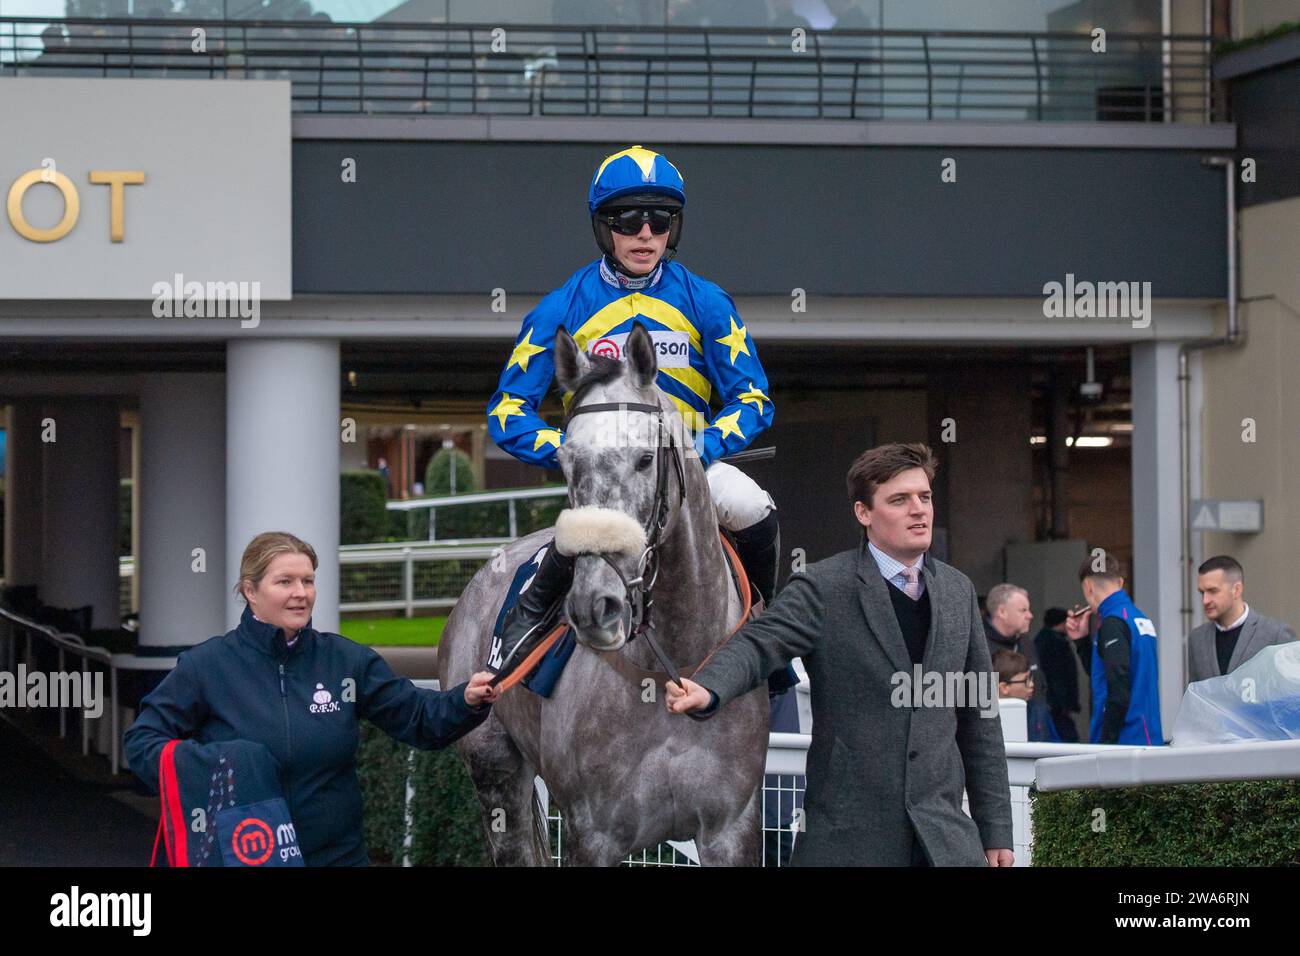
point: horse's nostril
(605, 611)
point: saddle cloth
(541, 681)
(205, 823)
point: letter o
(71, 207)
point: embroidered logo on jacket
(322, 701)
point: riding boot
(521, 629)
(759, 549)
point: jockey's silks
(701, 345)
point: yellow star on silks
(523, 351)
(729, 425)
(546, 436)
(754, 396)
(643, 157)
(734, 340)
(507, 407)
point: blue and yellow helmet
(635, 176)
(635, 170)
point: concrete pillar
(81, 508)
(1154, 577)
(23, 514)
(282, 456)
(182, 508)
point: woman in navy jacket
(299, 692)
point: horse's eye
(644, 461)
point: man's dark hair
(1230, 566)
(1105, 566)
(875, 466)
(1054, 616)
(1008, 664)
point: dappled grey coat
(877, 773)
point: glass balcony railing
(1033, 16)
(548, 70)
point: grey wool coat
(1257, 633)
(879, 775)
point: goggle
(628, 222)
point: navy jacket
(303, 704)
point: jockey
(636, 201)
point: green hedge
(363, 500)
(447, 826)
(1253, 823)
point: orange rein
(538, 652)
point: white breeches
(739, 500)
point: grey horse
(627, 774)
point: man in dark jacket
(887, 764)
(1056, 660)
(303, 703)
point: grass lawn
(410, 631)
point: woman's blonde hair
(262, 550)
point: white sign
(1214, 514)
(113, 186)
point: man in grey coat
(1234, 632)
(903, 699)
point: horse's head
(622, 458)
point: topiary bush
(465, 521)
(1249, 823)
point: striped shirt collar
(892, 570)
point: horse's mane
(603, 369)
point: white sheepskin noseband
(592, 530)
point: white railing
(401, 583)
(408, 556)
(405, 594)
(70, 644)
(1108, 767)
(511, 498)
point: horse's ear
(570, 362)
(640, 353)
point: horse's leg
(504, 784)
(734, 842)
(585, 843)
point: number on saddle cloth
(544, 676)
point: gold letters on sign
(116, 180)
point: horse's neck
(693, 593)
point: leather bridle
(639, 590)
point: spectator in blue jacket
(1125, 665)
(301, 693)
